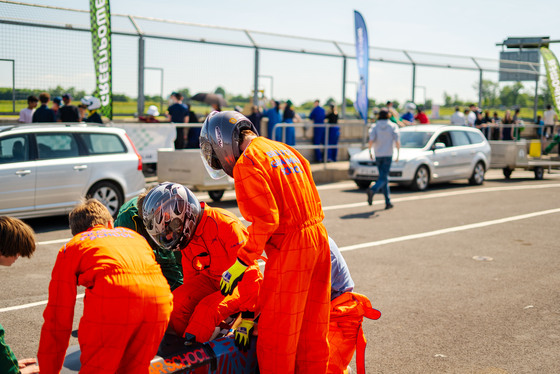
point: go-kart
(218, 356)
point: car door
(17, 175)
(442, 158)
(464, 153)
(62, 171)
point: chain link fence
(49, 48)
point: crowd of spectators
(61, 109)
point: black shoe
(370, 197)
(389, 206)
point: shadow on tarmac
(48, 224)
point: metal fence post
(140, 106)
(14, 85)
(343, 109)
(413, 74)
(536, 104)
(479, 82)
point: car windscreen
(415, 139)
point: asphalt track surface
(466, 277)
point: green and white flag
(553, 74)
(100, 15)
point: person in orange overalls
(347, 311)
(209, 239)
(275, 191)
(127, 303)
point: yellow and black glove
(231, 277)
(243, 333)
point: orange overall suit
(198, 304)
(275, 191)
(126, 307)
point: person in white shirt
(26, 114)
(550, 118)
(471, 117)
(458, 118)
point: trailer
(511, 155)
(185, 166)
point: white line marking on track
(446, 194)
(381, 242)
(449, 229)
(31, 305)
(399, 199)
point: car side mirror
(438, 145)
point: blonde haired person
(128, 301)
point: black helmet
(220, 141)
(171, 214)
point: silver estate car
(45, 169)
(429, 154)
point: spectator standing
(334, 133)
(92, 103)
(421, 117)
(194, 132)
(82, 112)
(43, 113)
(289, 116)
(408, 116)
(382, 136)
(178, 113)
(458, 118)
(393, 114)
(471, 117)
(151, 115)
(550, 118)
(69, 112)
(26, 114)
(496, 126)
(317, 115)
(507, 128)
(255, 117)
(540, 123)
(16, 239)
(56, 104)
(274, 117)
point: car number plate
(368, 171)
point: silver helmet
(220, 141)
(171, 214)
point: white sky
(455, 27)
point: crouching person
(127, 304)
(348, 310)
(208, 239)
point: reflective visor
(210, 161)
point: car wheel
(362, 185)
(421, 179)
(507, 172)
(109, 194)
(216, 195)
(539, 173)
(477, 177)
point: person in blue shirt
(408, 117)
(317, 115)
(341, 281)
(178, 113)
(274, 117)
(290, 117)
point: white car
(429, 154)
(45, 169)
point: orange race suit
(198, 304)
(275, 191)
(127, 303)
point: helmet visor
(165, 225)
(210, 161)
